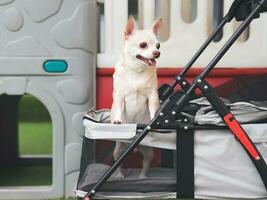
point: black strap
(185, 162)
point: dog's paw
(117, 122)
(119, 176)
(142, 176)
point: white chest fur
(134, 88)
(129, 81)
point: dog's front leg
(148, 154)
(153, 103)
(116, 118)
(117, 107)
(118, 150)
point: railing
(187, 23)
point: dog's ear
(130, 27)
(157, 25)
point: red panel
(104, 90)
(216, 78)
(222, 72)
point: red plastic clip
(241, 135)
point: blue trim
(55, 66)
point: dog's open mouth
(151, 61)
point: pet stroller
(204, 159)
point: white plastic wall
(184, 38)
(32, 32)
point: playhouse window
(35, 127)
(25, 142)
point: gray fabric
(135, 195)
(243, 111)
(104, 129)
(158, 179)
(102, 116)
(222, 167)
(126, 132)
(122, 132)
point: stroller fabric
(222, 167)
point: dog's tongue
(152, 62)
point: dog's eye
(143, 45)
(158, 45)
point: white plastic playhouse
(48, 51)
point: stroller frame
(173, 102)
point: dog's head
(141, 47)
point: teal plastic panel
(55, 66)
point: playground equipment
(169, 116)
(48, 51)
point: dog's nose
(156, 54)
